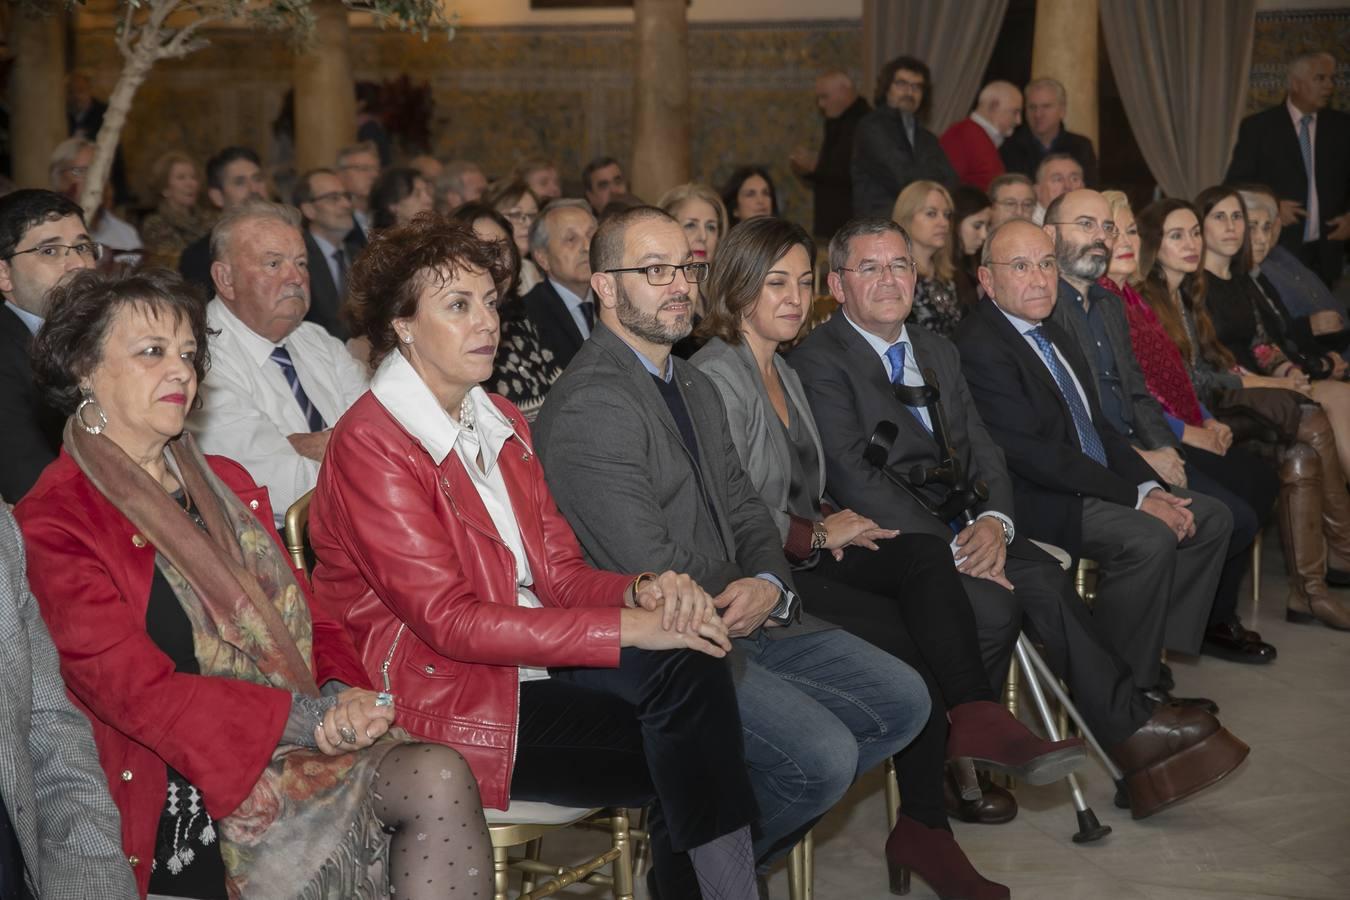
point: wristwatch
(1007, 529)
(787, 610)
(819, 535)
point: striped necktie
(1089, 441)
(282, 357)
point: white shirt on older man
(248, 408)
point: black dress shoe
(1165, 679)
(1164, 698)
(1230, 642)
(1338, 577)
(995, 807)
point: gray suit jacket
(849, 392)
(755, 427)
(620, 473)
(1149, 423)
(53, 788)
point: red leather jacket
(90, 572)
(409, 558)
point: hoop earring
(102, 416)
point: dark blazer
(832, 180)
(1146, 417)
(1267, 152)
(557, 329)
(621, 474)
(1022, 152)
(32, 428)
(325, 303)
(849, 393)
(1028, 417)
(884, 161)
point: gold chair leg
(532, 850)
(892, 795)
(623, 866)
(641, 842)
(809, 866)
(796, 871)
(1010, 688)
(1256, 577)
(501, 873)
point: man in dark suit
(40, 232)
(232, 176)
(330, 244)
(850, 367)
(1301, 149)
(1042, 133)
(640, 460)
(561, 306)
(1078, 482)
(891, 148)
(1079, 223)
(828, 170)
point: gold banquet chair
(522, 824)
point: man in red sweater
(972, 144)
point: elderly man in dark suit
(561, 306)
(330, 245)
(891, 147)
(60, 835)
(1078, 482)
(640, 459)
(851, 367)
(41, 233)
(1083, 232)
(1301, 149)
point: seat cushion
(531, 812)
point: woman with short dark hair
(439, 545)
(233, 718)
(397, 196)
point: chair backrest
(293, 532)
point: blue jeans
(817, 710)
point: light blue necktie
(1088, 440)
(1305, 144)
(282, 357)
(895, 353)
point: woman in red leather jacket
(234, 721)
(440, 547)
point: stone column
(325, 100)
(1065, 48)
(37, 93)
(660, 98)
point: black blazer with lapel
(32, 428)
(1267, 152)
(194, 264)
(558, 331)
(325, 303)
(1029, 418)
(849, 393)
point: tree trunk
(660, 98)
(325, 92)
(119, 104)
(37, 102)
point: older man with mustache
(278, 383)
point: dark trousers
(1326, 258)
(662, 726)
(906, 598)
(1248, 487)
(1046, 606)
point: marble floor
(1277, 827)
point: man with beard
(278, 383)
(1077, 482)
(639, 458)
(1079, 223)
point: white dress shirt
(248, 408)
(329, 256)
(406, 396)
(994, 134)
(1312, 225)
(913, 377)
(1024, 328)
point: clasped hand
(355, 715)
(1171, 511)
(849, 529)
(981, 551)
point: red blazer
(91, 573)
(410, 559)
(972, 153)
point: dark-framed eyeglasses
(662, 274)
(91, 251)
(332, 196)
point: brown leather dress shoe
(996, 805)
(1180, 750)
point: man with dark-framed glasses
(42, 237)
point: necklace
(466, 414)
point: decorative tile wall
(1282, 35)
